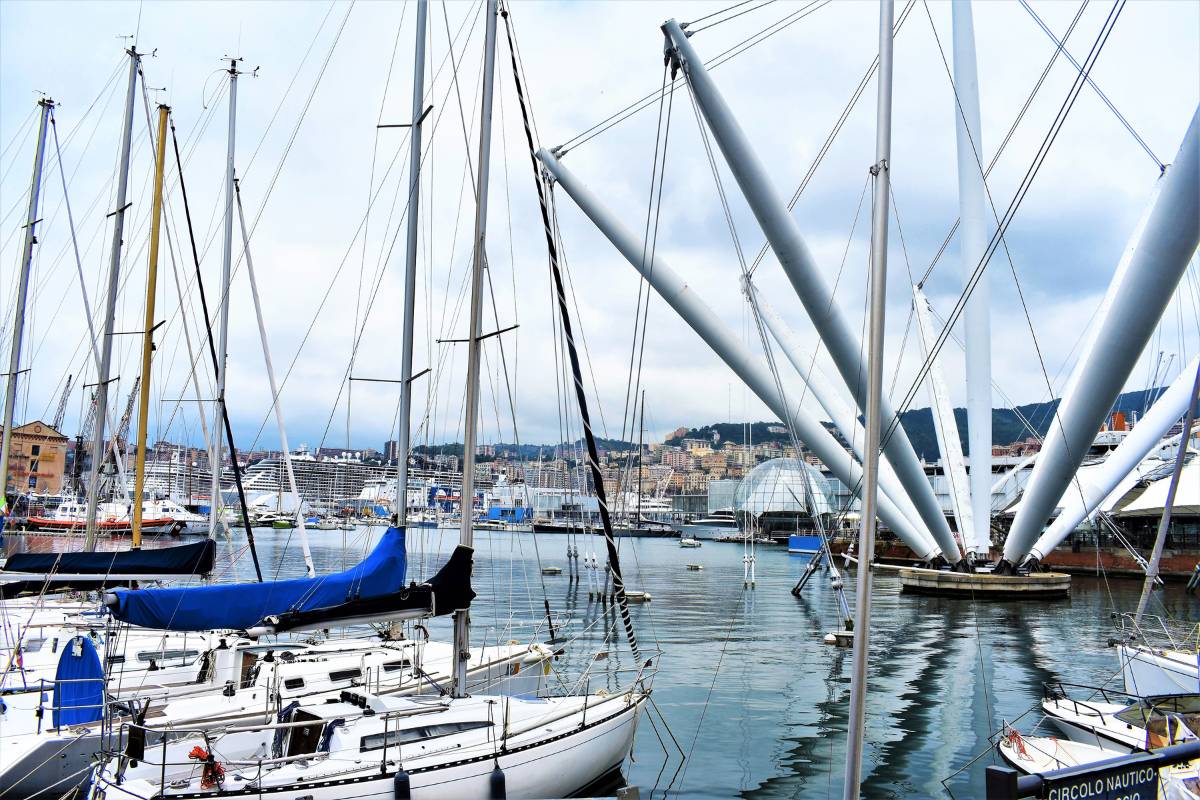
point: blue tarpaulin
(78, 684)
(243, 605)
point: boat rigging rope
(212, 350)
(691, 30)
(580, 393)
(649, 248)
(1120, 117)
(823, 151)
(733, 52)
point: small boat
(1042, 754)
(1122, 723)
(689, 542)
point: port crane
(85, 433)
(61, 413)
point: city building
(37, 459)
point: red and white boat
(111, 518)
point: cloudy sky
(324, 194)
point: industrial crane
(85, 433)
(61, 413)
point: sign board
(1133, 778)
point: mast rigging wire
(580, 392)
(1121, 117)
(716, 61)
(1012, 129)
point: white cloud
(583, 61)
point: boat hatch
(376, 741)
(303, 739)
(393, 666)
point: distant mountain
(1007, 423)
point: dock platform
(985, 585)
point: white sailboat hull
(557, 761)
(1148, 671)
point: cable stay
(593, 457)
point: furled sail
(59, 571)
(376, 584)
(185, 559)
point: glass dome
(778, 486)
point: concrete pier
(984, 585)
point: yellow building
(37, 460)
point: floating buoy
(402, 786)
(496, 789)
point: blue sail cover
(78, 684)
(243, 605)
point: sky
(324, 191)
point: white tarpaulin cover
(1154, 498)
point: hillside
(1007, 425)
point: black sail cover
(108, 567)
(447, 591)
(184, 559)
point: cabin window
(376, 741)
(184, 657)
(345, 675)
(395, 666)
(293, 683)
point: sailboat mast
(309, 569)
(110, 312)
(410, 268)
(1165, 523)
(223, 315)
(14, 360)
(139, 475)
(462, 633)
(641, 436)
(866, 540)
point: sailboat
(455, 746)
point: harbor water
(748, 700)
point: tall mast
(110, 312)
(223, 316)
(139, 477)
(462, 633)
(14, 359)
(275, 402)
(410, 268)
(866, 551)
(973, 242)
(1164, 524)
(641, 436)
